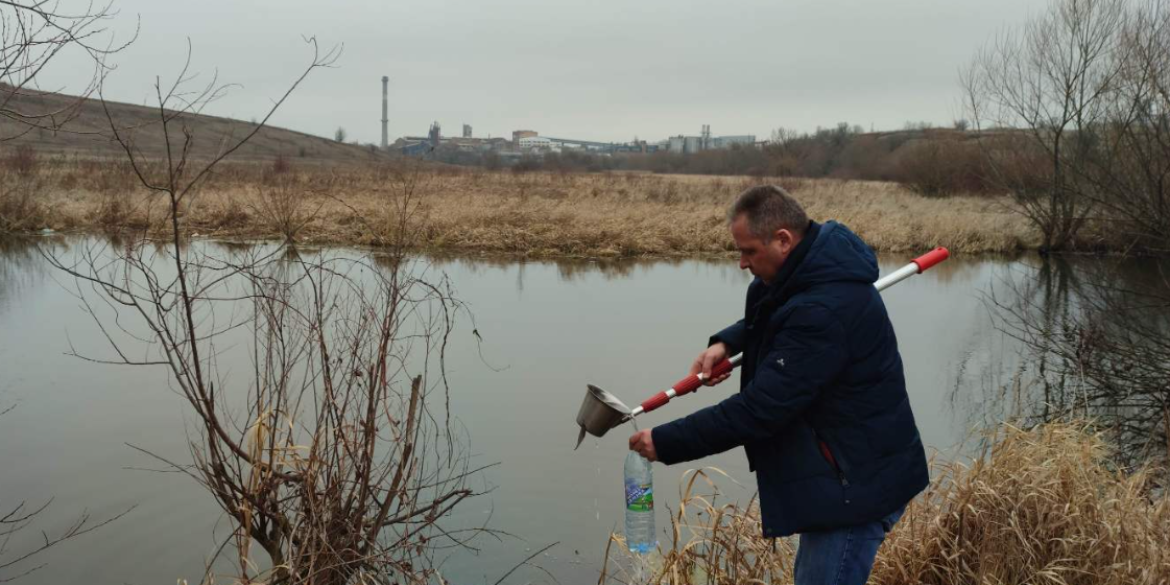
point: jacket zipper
(828, 455)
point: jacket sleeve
(807, 354)
(733, 337)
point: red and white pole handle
(687, 385)
(691, 383)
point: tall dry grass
(535, 214)
(1045, 505)
(21, 186)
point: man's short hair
(769, 208)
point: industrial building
(533, 142)
(518, 134)
(704, 141)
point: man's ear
(784, 237)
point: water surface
(547, 329)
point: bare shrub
(284, 207)
(936, 167)
(229, 215)
(335, 456)
(280, 166)
(21, 197)
(22, 160)
(108, 176)
(113, 211)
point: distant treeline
(931, 161)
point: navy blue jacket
(822, 409)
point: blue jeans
(843, 556)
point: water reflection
(18, 257)
(1095, 343)
(580, 270)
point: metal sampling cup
(600, 411)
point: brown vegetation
(1039, 506)
(536, 214)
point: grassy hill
(86, 132)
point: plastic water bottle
(639, 504)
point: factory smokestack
(385, 133)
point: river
(547, 329)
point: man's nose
(743, 263)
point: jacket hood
(836, 255)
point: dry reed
(531, 214)
(1045, 505)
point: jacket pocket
(827, 454)
(834, 462)
(791, 455)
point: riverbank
(527, 214)
(1045, 505)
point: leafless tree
(1128, 172)
(1073, 119)
(1052, 80)
(336, 456)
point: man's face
(763, 259)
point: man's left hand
(643, 443)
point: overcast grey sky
(604, 70)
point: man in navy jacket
(822, 410)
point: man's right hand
(707, 360)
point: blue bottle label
(639, 498)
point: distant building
(685, 144)
(518, 134)
(434, 144)
(530, 142)
(692, 144)
(413, 145)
